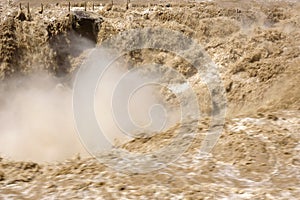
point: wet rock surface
(87, 24)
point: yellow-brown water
(255, 45)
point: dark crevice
(71, 43)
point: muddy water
(257, 157)
(256, 46)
